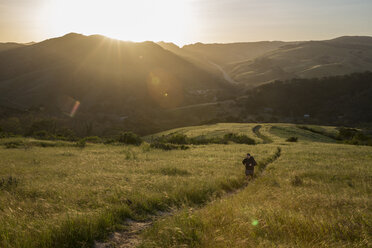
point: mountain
(339, 56)
(9, 46)
(94, 85)
(102, 73)
(123, 83)
(215, 57)
(251, 64)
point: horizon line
(185, 44)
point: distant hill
(255, 63)
(216, 57)
(339, 56)
(9, 46)
(353, 40)
(193, 57)
(224, 54)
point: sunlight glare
(138, 20)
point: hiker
(249, 163)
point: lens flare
(68, 105)
(164, 88)
(75, 109)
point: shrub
(167, 147)
(354, 137)
(182, 139)
(43, 135)
(109, 141)
(13, 144)
(200, 140)
(43, 143)
(93, 139)
(239, 138)
(179, 139)
(81, 143)
(66, 134)
(346, 133)
(5, 135)
(46, 125)
(129, 138)
(292, 139)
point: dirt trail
(127, 238)
(130, 237)
(265, 139)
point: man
(249, 163)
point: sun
(137, 20)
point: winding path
(131, 236)
(225, 75)
(265, 139)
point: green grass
(317, 194)
(312, 193)
(287, 131)
(211, 131)
(68, 196)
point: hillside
(109, 78)
(334, 100)
(108, 85)
(299, 200)
(95, 69)
(193, 57)
(9, 46)
(342, 100)
(224, 54)
(310, 59)
(214, 57)
(255, 63)
(76, 196)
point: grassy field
(209, 131)
(317, 193)
(65, 196)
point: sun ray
(139, 20)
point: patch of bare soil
(127, 238)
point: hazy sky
(185, 21)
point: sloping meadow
(66, 196)
(317, 194)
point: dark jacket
(249, 163)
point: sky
(185, 21)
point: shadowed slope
(103, 74)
